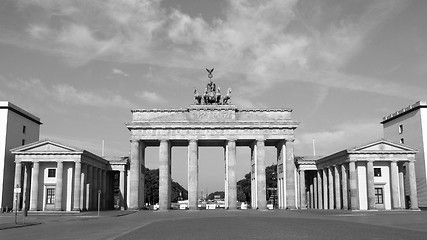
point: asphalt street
(220, 224)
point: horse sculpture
(197, 97)
(227, 98)
(212, 94)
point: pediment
(45, 146)
(383, 146)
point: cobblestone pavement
(221, 224)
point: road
(222, 224)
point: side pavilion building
(57, 177)
(379, 175)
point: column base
(134, 208)
(77, 209)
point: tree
(152, 188)
(244, 185)
(221, 195)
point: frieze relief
(212, 115)
(210, 133)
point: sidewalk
(7, 220)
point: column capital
(192, 139)
(290, 140)
(231, 139)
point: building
(215, 122)
(56, 177)
(409, 126)
(379, 175)
(17, 127)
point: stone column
(122, 189)
(104, 189)
(135, 175)
(280, 174)
(354, 194)
(193, 174)
(164, 175)
(370, 184)
(82, 187)
(99, 189)
(34, 186)
(312, 195)
(77, 185)
(232, 178)
(260, 175)
(141, 190)
(290, 174)
(303, 191)
(412, 186)
(58, 187)
(17, 183)
(89, 181)
(402, 187)
(331, 188)
(319, 190)
(344, 187)
(253, 177)
(315, 192)
(394, 185)
(337, 188)
(94, 192)
(170, 174)
(25, 187)
(325, 188)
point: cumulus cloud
(120, 72)
(65, 93)
(151, 97)
(266, 41)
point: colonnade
(287, 198)
(86, 181)
(336, 186)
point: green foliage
(152, 188)
(244, 185)
(212, 195)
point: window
(379, 197)
(50, 195)
(51, 173)
(23, 142)
(400, 129)
(402, 141)
(24, 128)
(377, 172)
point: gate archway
(214, 125)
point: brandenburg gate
(213, 121)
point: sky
(341, 65)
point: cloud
(64, 93)
(68, 94)
(338, 138)
(151, 97)
(266, 42)
(120, 72)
